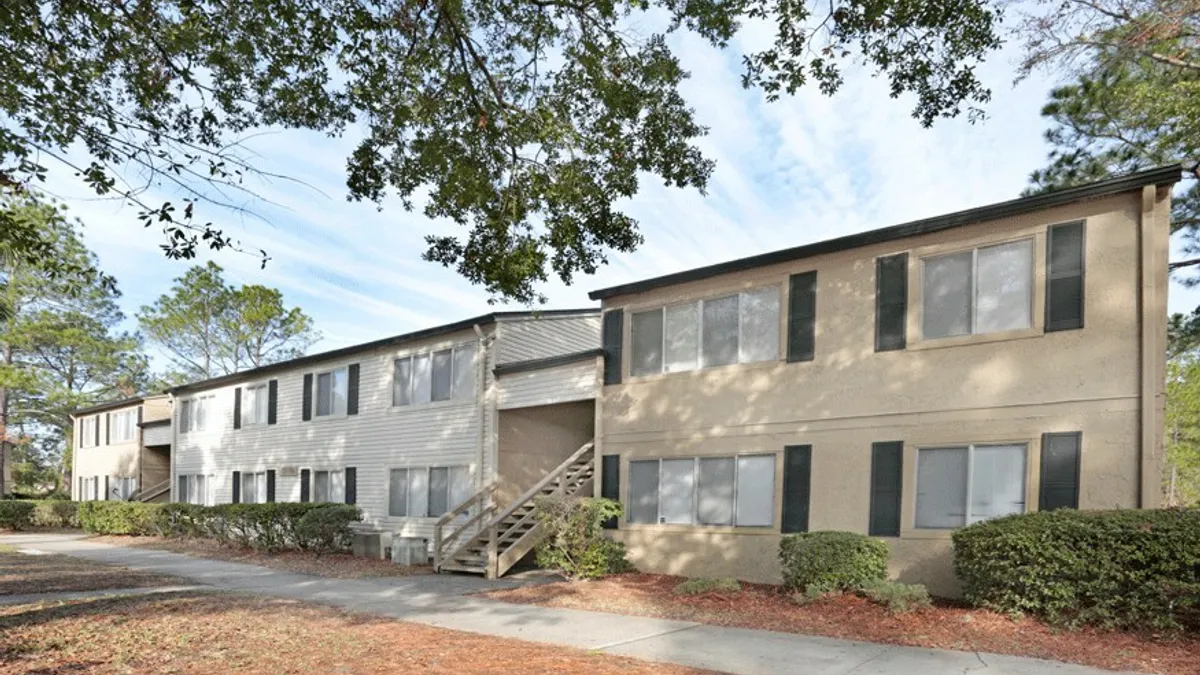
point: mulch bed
(945, 626)
(335, 565)
(22, 574)
(206, 633)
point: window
(121, 488)
(123, 425)
(196, 414)
(427, 492)
(254, 405)
(741, 328)
(732, 491)
(444, 375)
(87, 432)
(254, 488)
(329, 486)
(331, 392)
(983, 290)
(195, 489)
(961, 485)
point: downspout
(1154, 251)
(482, 400)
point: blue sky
(791, 172)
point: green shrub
(16, 514)
(187, 521)
(326, 528)
(832, 561)
(702, 586)
(131, 518)
(54, 513)
(897, 597)
(574, 544)
(1125, 569)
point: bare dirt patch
(945, 626)
(217, 633)
(334, 565)
(22, 574)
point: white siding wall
(560, 384)
(532, 338)
(159, 434)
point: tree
(209, 328)
(525, 122)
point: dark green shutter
(304, 486)
(181, 494)
(610, 483)
(797, 487)
(1064, 277)
(106, 488)
(351, 485)
(887, 475)
(237, 487)
(107, 429)
(270, 486)
(97, 434)
(352, 393)
(612, 340)
(891, 302)
(237, 408)
(1060, 471)
(802, 316)
(272, 400)
(307, 398)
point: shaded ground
(22, 574)
(334, 566)
(945, 626)
(216, 632)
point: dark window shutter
(352, 393)
(97, 434)
(610, 483)
(108, 428)
(237, 487)
(887, 474)
(802, 316)
(614, 335)
(307, 398)
(351, 485)
(237, 408)
(1060, 471)
(1064, 277)
(106, 488)
(139, 416)
(891, 302)
(272, 400)
(304, 486)
(181, 495)
(270, 486)
(797, 487)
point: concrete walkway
(444, 601)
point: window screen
(464, 372)
(324, 394)
(946, 295)
(677, 486)
(720, 332)
(460, 485)
(418, 493)
(714, 493)
(1004, 287)
(402, 382)
(760, 325)
(997, 481)
(341, 382)
(682, 337)
(398, 492)
(337, 486)
(422, 382)
(643, 492)
(941, 488)
(439, 491)
(442, 375)
(647, 338)
(756, 490)
(320, 486)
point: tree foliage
(524, 122)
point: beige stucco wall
(1002, 387)
(535, 440)
(156, 408)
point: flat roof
(482, 320)
(1163, 175)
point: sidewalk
(444, 601)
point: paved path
(444, 601)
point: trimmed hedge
(16, 515)
(832, 561)
(132, 518)
(55, 513)
(1122, 569)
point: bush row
(267, 527)
(575, 545)
(20, 514)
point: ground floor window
(329, 485)
(427, 492)
(89, 488)
(960, 485)
(121, 488)
(196, 489)
(734, 491)
(254, 488)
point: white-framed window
(329, 485)
(121, 488)
(964, 484)
(332, 387)
(91, 489)
(197, 414)
(741, 328)
(981, 290)
(254, 487)
(734, 491)
(254, 404)
(123, 426)
(427, 492)
(87, 432)
(443, 375)
(196, 489)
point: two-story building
(899, 383)
(122, 450)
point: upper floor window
(332, 388)
(447, 374)
(742, 328)
(196, 414)
(87, 431)
(254, 405)
(122, 426)
(957, 486)
(982, 290)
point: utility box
(410, 551)
(371, 543)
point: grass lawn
(944, 626)
(22, 574)
(336, 565)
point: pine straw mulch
(22, 573)
(207, 633)
(945, 626)
(333, 565)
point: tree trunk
(8, 358)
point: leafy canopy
(524, 122)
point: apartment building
(122, 450)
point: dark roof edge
(548, 362)
(101, 407)
(482, 320)
(156, 423)
(1163, 175)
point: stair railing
(480, 503)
